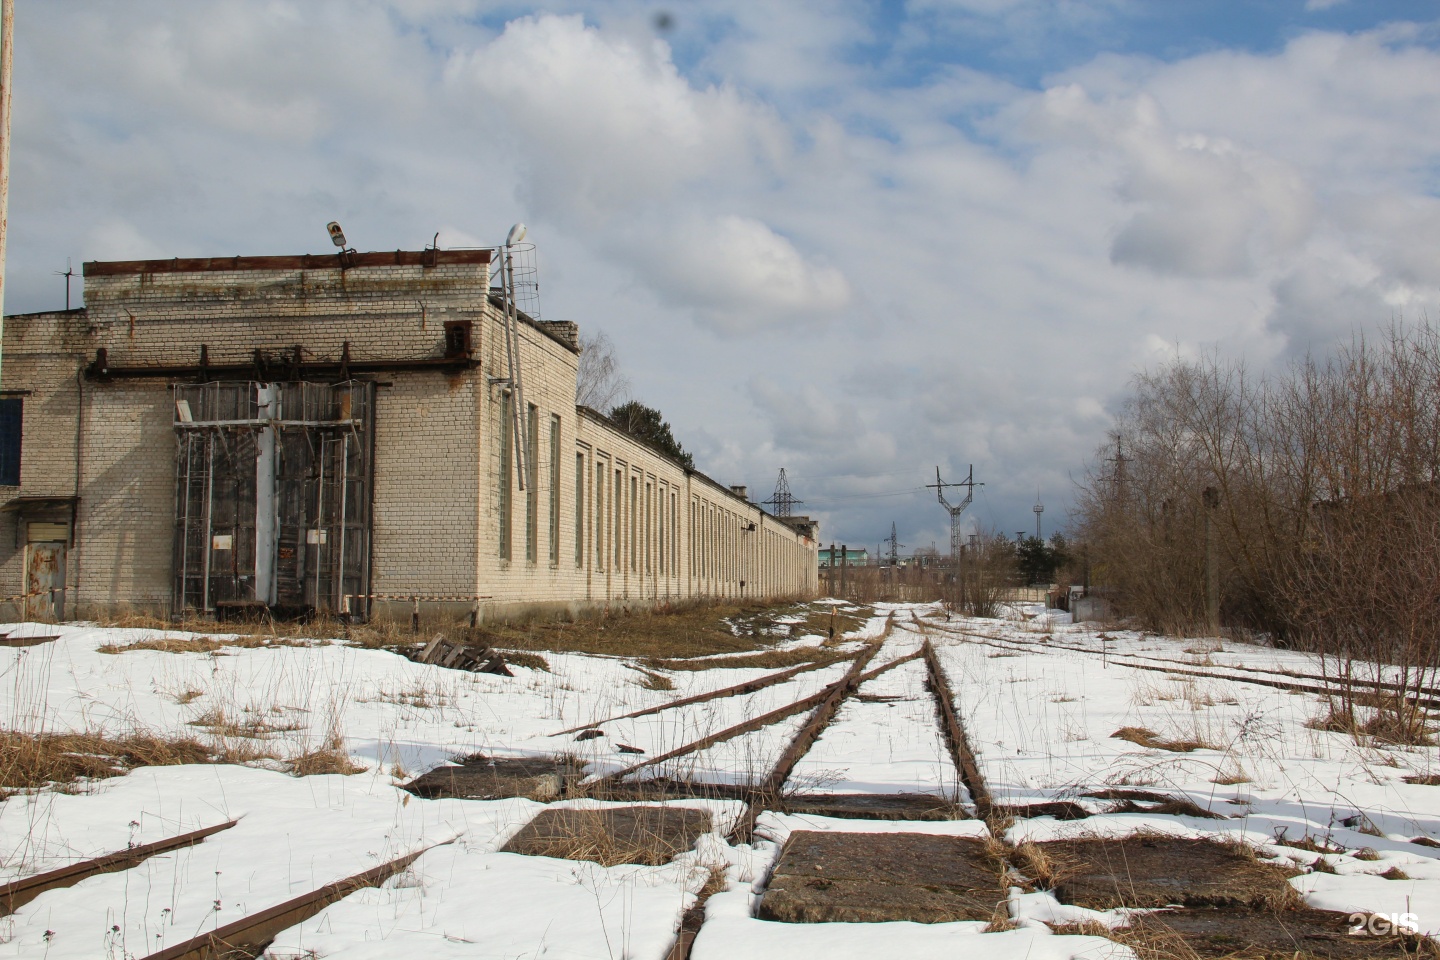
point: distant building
(316, 434)
(857, 557)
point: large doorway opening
(272, 505)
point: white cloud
(958, 269)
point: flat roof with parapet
(304, 261)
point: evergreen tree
(647, 425)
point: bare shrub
(1304, 505)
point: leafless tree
(1315, 490)
(599, 383)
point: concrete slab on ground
(1157, 872)
(876, 877)
(611, 835)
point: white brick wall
(437, 470)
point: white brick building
(305, 433)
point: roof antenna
(67, 273)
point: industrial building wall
(605, 519)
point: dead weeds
(66, 760)
(676, 632)
(1145, 737)
(207, 644)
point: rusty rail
(955, 739)
(249, 936)
(749, 686)
(1272, 671)
(774, 716)
(17, 893)
(1127, 660)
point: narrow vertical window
(507, 434)
(674, 533)
(555, 490)
(532, 492)
(660, 536)
(580, 509)
(619, 529)
(12, 421)
(634, 524)
(599, 514)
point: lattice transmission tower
(955, 509)
(781, 499)
(892, 555)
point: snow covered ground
(1039, 716)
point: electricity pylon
(893, 554)
(781, 498)
(955, 510)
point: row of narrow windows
(634, 520)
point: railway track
(1277, 679)
(901, 645)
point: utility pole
(844, 569)
(7, 55)
(1039, 508)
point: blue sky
(856, 240)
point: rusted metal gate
(272, 495)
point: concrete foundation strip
(249, 936)
(17, 893)
(1124, 660)
(749, 686)
(955, 739)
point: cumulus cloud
(604, 121)
(742, 276)
(909, 263)
(1204, 206)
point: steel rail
(17, 893)
(250, 935)
(1126, 660)
(749, 686)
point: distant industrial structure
(371, 433)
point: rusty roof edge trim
(304, 261)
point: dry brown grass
(611, 836)
(653, 681)
(207, 644)
(63, 760)
(530, 661)
(325, 760)
(1149, 738)
(1150, 942)
(693, 630)
(249, 725)
(1041, 866)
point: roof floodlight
(517, 233)
(337, 236)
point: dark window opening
(11, 422)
